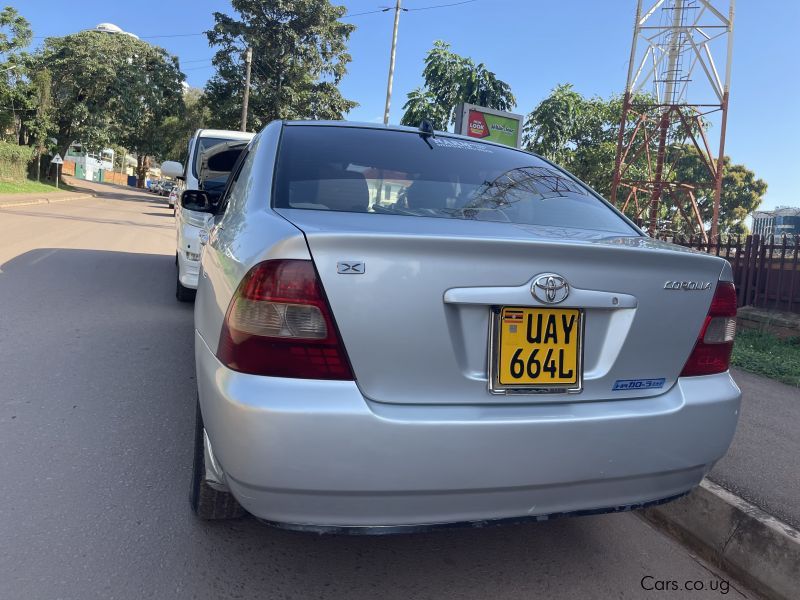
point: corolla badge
(550, 288)
(687, 286)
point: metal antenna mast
(674, 44)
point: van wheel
(184, 294)
(207, 502)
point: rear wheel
(207, 502)
(184, 294)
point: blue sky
(531, 44)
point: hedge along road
(96, 417)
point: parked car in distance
(188, 223)
(166, 188)
(398, 329)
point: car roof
(404, 128)
(224, 133)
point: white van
(189, 223)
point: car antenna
(426, 131)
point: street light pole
(397, 10)
(248, 60)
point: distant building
(89, 166)
(784, 220)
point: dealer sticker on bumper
(638, 384)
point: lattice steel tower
(673, 93)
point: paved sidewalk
(42, 197)
(762, 463)
(80, 190)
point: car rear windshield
(403, 173)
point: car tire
(184, 294)
(207, 502)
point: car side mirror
(172, 168)
(196, 200)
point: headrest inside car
(343, 190)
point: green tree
(742, 192)
(15, 34)
(154, 81)
(564, 122)
(110, 89)
(449, 80)
(178, 129)
(15, 31)
(299, 57)
(580, 134)
(41, 122)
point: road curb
(33, 201)
(736, 536)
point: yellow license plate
(539, 348)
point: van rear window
(203, 144)
(402, 173)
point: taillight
(712, 352)
(279, 324)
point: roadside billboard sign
(489, 124)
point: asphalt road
(96, 415)
(762, 463)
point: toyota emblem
(550, 288)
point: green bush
(14, 161)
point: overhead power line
(389, 8)
(367, 12)
(347, 16)
(171, 35)
(442, 5)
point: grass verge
(762, 353)
(31, 187)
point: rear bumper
(317, 454)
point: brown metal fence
(766, 270)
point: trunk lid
(416, 322)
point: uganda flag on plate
(513, 316)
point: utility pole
(248, 60)
(397, 10)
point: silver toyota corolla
(396, 328)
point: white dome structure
(108, 28)
(111, 28)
